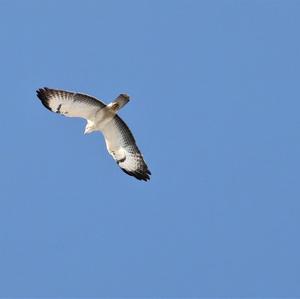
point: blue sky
(215, 110)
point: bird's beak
(87, 131)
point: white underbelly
(103, 117)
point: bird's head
(89, 128)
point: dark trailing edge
(140, 176)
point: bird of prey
(119, 140)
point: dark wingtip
(140, 176)
(42, 95)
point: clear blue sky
(216, 111)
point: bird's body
(119, 140)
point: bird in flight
(119, 140)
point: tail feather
(119, 102)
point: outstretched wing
(69, 103)
(121, 145)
